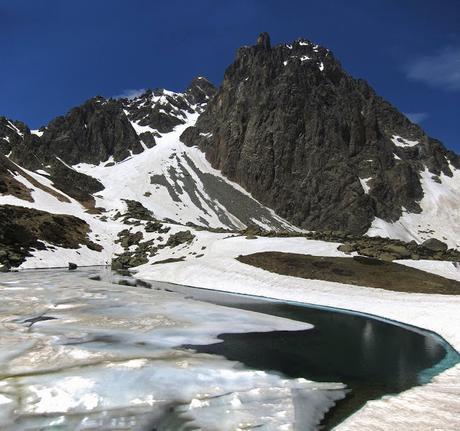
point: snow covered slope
(176, 183)
(173, 182)
(132, 151)
(440, 216)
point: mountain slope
(288, 131)
(318, 146)
(129, 154)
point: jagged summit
(200, 90)
(264, 40)
(318, 146)
(102, 128)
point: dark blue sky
(57, 53)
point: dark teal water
(373, 357)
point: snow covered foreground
(434, 406)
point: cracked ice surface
(109, 357)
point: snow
(432, 407)
(103, 233)
(14, 128)
(444, 269)
(38, 133)
(439, 217)
(364, 185)
(321, 66)
(219, 270)
(403, 142)
(173, 161)
(395, 156)
(142, 129)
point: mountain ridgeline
(101, 129)
(318, 146)
(288, 125)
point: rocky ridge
(318, 146)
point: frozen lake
(85, 354)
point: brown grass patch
(359, 271)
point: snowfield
(176, 182)
(439, 217)
(209, 262)
(424, 408)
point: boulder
(346, 248)
(399, 250)
(179, 238)
(434, 244)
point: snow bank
(429, 407)
(439, 216)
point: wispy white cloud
(130, 93)
(417, 117)
(441, 69)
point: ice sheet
(84, 354)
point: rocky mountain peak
(200, 90)
(264, 40)
(101, 128)
(318, 146)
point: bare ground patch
(359, 271)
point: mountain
(322, 148)
(288, 142)
(106, 159)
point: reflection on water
(80, 354)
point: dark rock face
(89, 133)
(8, 184)
(182, 237)
(75, 184)
(162, 110)
(264, 41)
(101, 128)
(199, 91)
(434, 244)
(24, 229)
(79, 186)
(11, 133)
(295, 130)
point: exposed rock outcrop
(313, 143)
(25, 229)
(90, 133)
